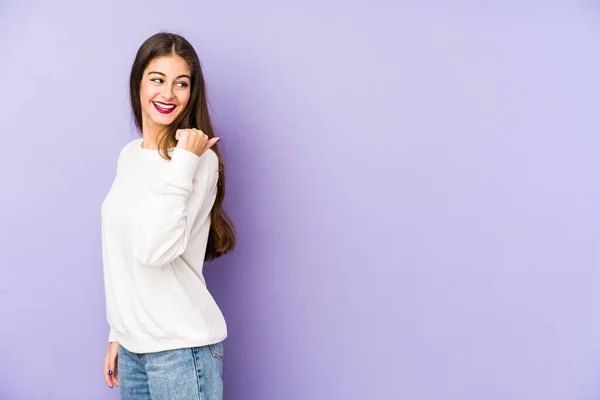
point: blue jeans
(182, 374)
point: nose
(167, 92)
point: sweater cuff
(112, 336)
(184, 164)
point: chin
(159, 119)
(163, 121)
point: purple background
(415, 186)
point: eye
(182, 84)
(157, 80)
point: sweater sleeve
(166, 217)
(111, 336)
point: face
(164, 91)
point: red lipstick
(164, 108)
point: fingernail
(110, 371)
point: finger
(183, 138)
(180, 133)
(107, 376)
(116, 374)
(212, 142)
(112, 366)
(201, 135)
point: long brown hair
(222, 236)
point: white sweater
(155, 224)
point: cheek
(146, 94)
(184, 98)
(143, 96)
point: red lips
(163, 110)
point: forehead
(169, 65)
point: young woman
(161, 219)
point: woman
(161, 219)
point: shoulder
(208, 169)
(210, 159)
(131, 145)
(127, 150)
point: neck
(150, 133)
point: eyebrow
(160, 73)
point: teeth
(164, 107)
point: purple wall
(415, 188)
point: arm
(166, 218)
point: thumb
(212, 142)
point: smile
(164, 108)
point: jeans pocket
(216, 350)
